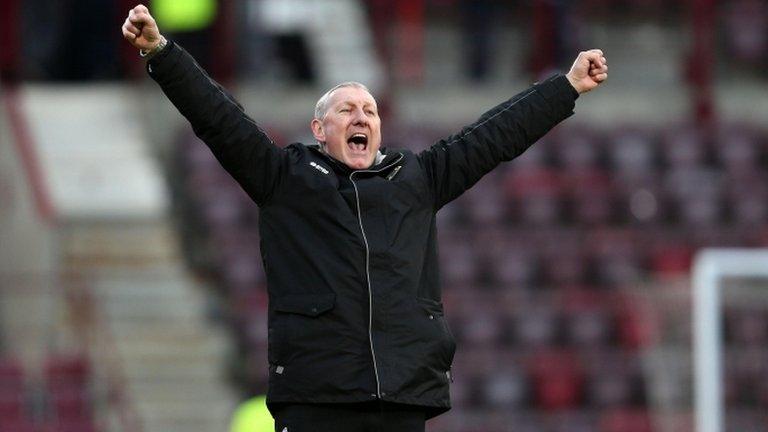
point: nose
(360, 119)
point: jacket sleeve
(456, 163)
(240, 145)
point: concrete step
(127, 332)
(181, 392)
(132, 245)
(157, 313)
(186, 416)
(196, 370)
(209, 349)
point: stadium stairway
(172, 359)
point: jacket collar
(382, 161)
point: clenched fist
(588, 71)
(140, 29)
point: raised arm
(456, 163)
(242, 148)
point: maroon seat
(747, 328)
(573, 421)
(626, 420)
(612, 378)
(458, 260)
(684, 146)
(745, 23)
(507, 389)
(738, 149)
(591, 195)
(535, 196)
(11, 405)
(636, 324)
(588, 326)
(11, 374)
(747, 198)
(558, 381)
(577, 149)
(71, 405)
(632, 153)
(536, 326)
(83, 425)
(671, 259)
(745, 419)
(515, 267)
(485, 203)
(70, 370)
(564, 265)
(17, 425)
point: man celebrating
(357, 336)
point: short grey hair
(322, 104)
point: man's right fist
(140, 29)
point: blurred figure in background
(190, 23)
(252, 415)
(57, 52)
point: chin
(358, 163)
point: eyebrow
(365, 104)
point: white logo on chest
(319, 167)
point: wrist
(148, 54)
(573, 82)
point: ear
(317, 130)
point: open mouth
(358, 141)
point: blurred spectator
(9, 40)
(188, 22)
(477, 19)
(554, 35)
(746, 27)
(51, 43)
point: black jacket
(351, 256)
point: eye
(369, 112)
(344, 110)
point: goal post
(709, 268)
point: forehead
(351, 95)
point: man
(357, 337)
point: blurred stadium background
(132, 296)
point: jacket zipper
(370, 291)
(367, 271)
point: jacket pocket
(311, 305)
(298, 325)
(446, 344)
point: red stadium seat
(11, 374)
(84, 425)
(684, 146)
(632, 153)
(506, 390)
(71, 405)
(577, 149)
(11, 405)
(591, 196)
(17, 425)
(626, 420)
(558, 381)
(536, 326)
(535, 196)
(68, 371)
